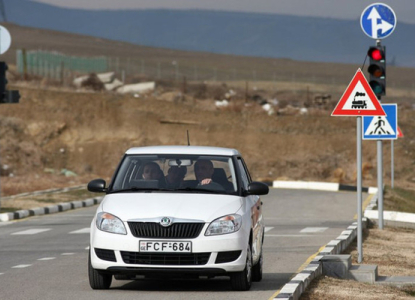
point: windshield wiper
(138, 189)
(198, 190)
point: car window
(182, 173)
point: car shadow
(269, 282)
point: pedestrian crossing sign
(382, 127)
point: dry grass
(391, 250)
(328, 288)
(399, 199)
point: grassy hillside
(55, 127)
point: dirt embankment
(87, 133)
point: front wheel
(242, 281)
(257, 269)
(98, 281)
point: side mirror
(257, 188)
(97, 186)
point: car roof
(197, 150)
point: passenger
(175, 176)
(152, 171)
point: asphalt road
(46, 257)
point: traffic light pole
(380, 169)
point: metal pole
(380, 184)
(392, 164)
(359, 190)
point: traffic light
(3, 79)
(377, 70)
(5, 95)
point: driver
(203, 171)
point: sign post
(358, 100)
(378, 21)
(382, 128)
(5, 42)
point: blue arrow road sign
(382, 127)
(378, 21)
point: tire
(257, 269)
(98, 281)
(242, 281)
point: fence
(56, 65)
(64, 68)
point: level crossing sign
(378, 21)
(382, 127)
(358, 99)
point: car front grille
(166, 259)
(175, 231)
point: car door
(255, 204)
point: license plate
(165, 246)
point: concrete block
(284, 297)
(64, 206)
(295, 289)
(328, 251)
(88, 202)
(4, 217)
(21, 214)
(76, 204)
(51, 209)
(364, 273)
(37, 211)
(98, 200)
(336, 266)
(306, 278)
(398, 281)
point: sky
(337, 9)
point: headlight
(109, 223)
(224, 225)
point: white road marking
(268, 228)
(20, 266)
(87, 248)
(1, 273)
(83, 230)
(31, 231)
(47, 258)
(291, 235)
(314, 229)
(67, 253)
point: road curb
(299, 283)
(52, 209)
(390, 218)
(321, 186)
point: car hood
(203, 207)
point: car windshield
(179, 173)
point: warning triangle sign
(400, 133)
(358, 99)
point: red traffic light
(376, 54)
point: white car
(178, 211)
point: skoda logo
(165, 222)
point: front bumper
(205, 250)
